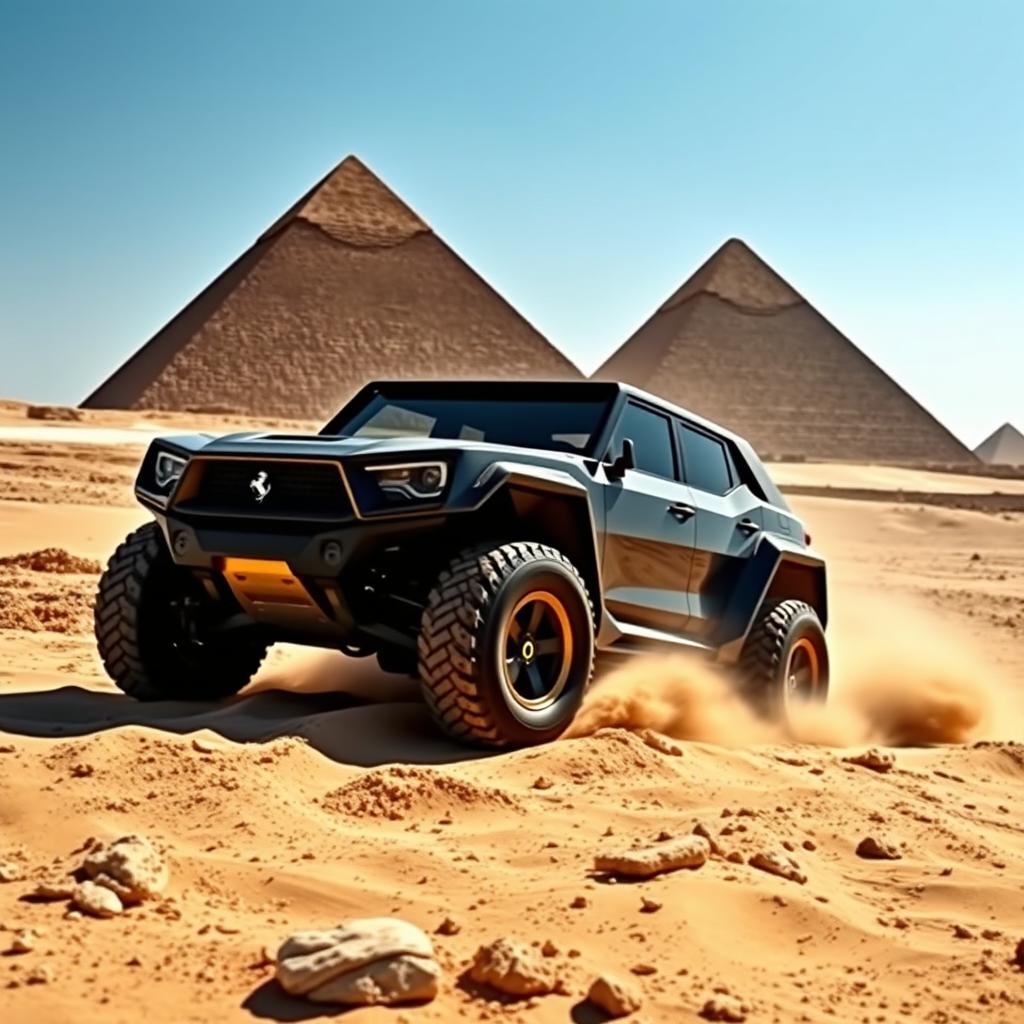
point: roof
(489, 388)
(1003, 447)
(739, 345)
(546, 389)
(348, 285)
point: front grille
(265, 488)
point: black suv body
(488, 537)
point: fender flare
(523, 485)
(776, 565)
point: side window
(651, 434)
(706, 461)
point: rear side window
(651, 434)
(706, 462)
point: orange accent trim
(257, 565)
(257, 581)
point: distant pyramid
(349, 285)
(1003, 448)
(738, 345)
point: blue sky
(585, 157)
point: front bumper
(302, 581)
(303, 546)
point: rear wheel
(784, 662)
(506, 646)
(151, 622)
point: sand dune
(322, 793)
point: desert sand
(323, 793)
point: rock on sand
(687, 852)
(129, 867)
(614, 996)
(369, 961)
(513, 968)
(778, 862)
(97, 900)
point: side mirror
(626, 459)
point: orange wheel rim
(802, 677)
(536, 650)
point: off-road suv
(489, 538)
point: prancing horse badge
(259, 486)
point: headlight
(167, 470)
(411, 480)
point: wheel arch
(551, 508)
(802, 581)
(777, 570)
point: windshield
(561, 426)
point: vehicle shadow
(354, 715)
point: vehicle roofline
(497, 384)
(609, 388)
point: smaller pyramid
(1004, 447)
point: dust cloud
(899, 677)
(295, 669)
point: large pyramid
(1005, 447)
(350, 284)
(738, 345)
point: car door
(650, 527)
(729, 520)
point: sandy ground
(323, 793)
(891, 478)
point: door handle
(681, 512)
(748, 526)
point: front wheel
(784, 662)
(506, 645)
(151, 628)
